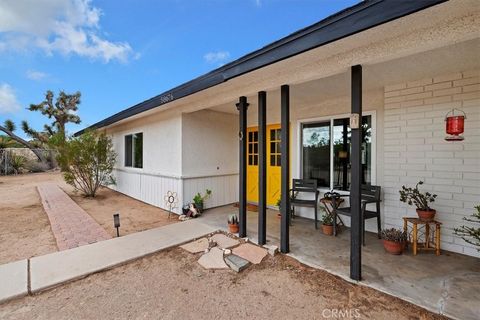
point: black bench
(370, 194)
(301, 186)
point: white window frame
(332, 118)
(132, 167)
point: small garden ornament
(413, 196)
(171, 201)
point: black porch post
(242, 106)
(355, 186)
(285, 157)
(262, 167)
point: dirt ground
(135, 215)
(172, 285)
(24, 226)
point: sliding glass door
(326, 148)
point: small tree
(471, 234)
(87, 161)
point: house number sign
(166, 98)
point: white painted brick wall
(415, 149)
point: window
(253, 148)
(326, 149)
(275, 150)
(316, 152)
(134, 150)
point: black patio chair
(369, 194)
(301, 186)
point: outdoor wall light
(116, 222)
(454, 125)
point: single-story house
(392, 69)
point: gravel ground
(172, 285)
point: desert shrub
(87, 162)
(17, 162)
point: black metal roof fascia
(360, 17)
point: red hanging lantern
(455, 125)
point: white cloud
(217, 57)
(64, 26)
(258, 3)
(8, 100)
(36, 75)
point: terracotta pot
(233, 228)
(393, 247)
(327, 229)
(426, 215)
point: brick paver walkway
(71, 225)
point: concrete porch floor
(448, 284)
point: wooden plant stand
(415, 227)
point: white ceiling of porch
(461, 56)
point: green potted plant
(413, 196)
(279, 205)
(394, 240)
(233, 223)
(199, 200)
(327, 224)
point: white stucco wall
(162, 139)
(210, 156)
(162, 157)
(210, 143)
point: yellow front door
(252, 164)
(273, 164)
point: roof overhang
(360, 17)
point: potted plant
(394, 240)
(327, 224)
(233, 223)
(279, 205)
(421, 200)
(199, 200)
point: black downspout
(242, 107)
(285, 157)
(355, 186)
(262, 168)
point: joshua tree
(9, 128)
(62, 112)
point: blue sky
(119, 53)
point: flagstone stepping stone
(223, 241)
(250, 252)
(272, 250)
(213, 259)
(196, 246)
(237, 263)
